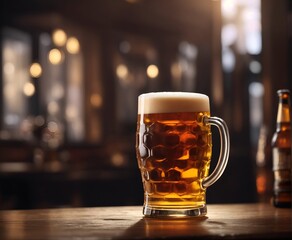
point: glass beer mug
(174, 147)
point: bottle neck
(283, 115)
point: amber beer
(281, 144)
(174, 147)
(174, 155)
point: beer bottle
(281, 146)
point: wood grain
(223, 221)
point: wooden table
(223, 221)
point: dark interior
(98, 167)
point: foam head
(168, 102)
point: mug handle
(224, 150)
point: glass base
(172, 213)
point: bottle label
(281, 159)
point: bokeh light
(56, 56)
(28, 89)
(152, 71)
(35, 70)
(73, 45)
(59, 37)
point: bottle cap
(281, 91)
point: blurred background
(71, 72)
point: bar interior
(71, 73)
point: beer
(174, 146)
(281, 144)
(174, 152)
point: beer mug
(174, 147)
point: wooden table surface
(223, 221)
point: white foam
(167, 102)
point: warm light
(122, 71)
(96, 100)
(59, 37)
(55, 56)
(28, 89)
(261, 183)
(35, 70)
(152, 71)
(72, 45)
(118, 159)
